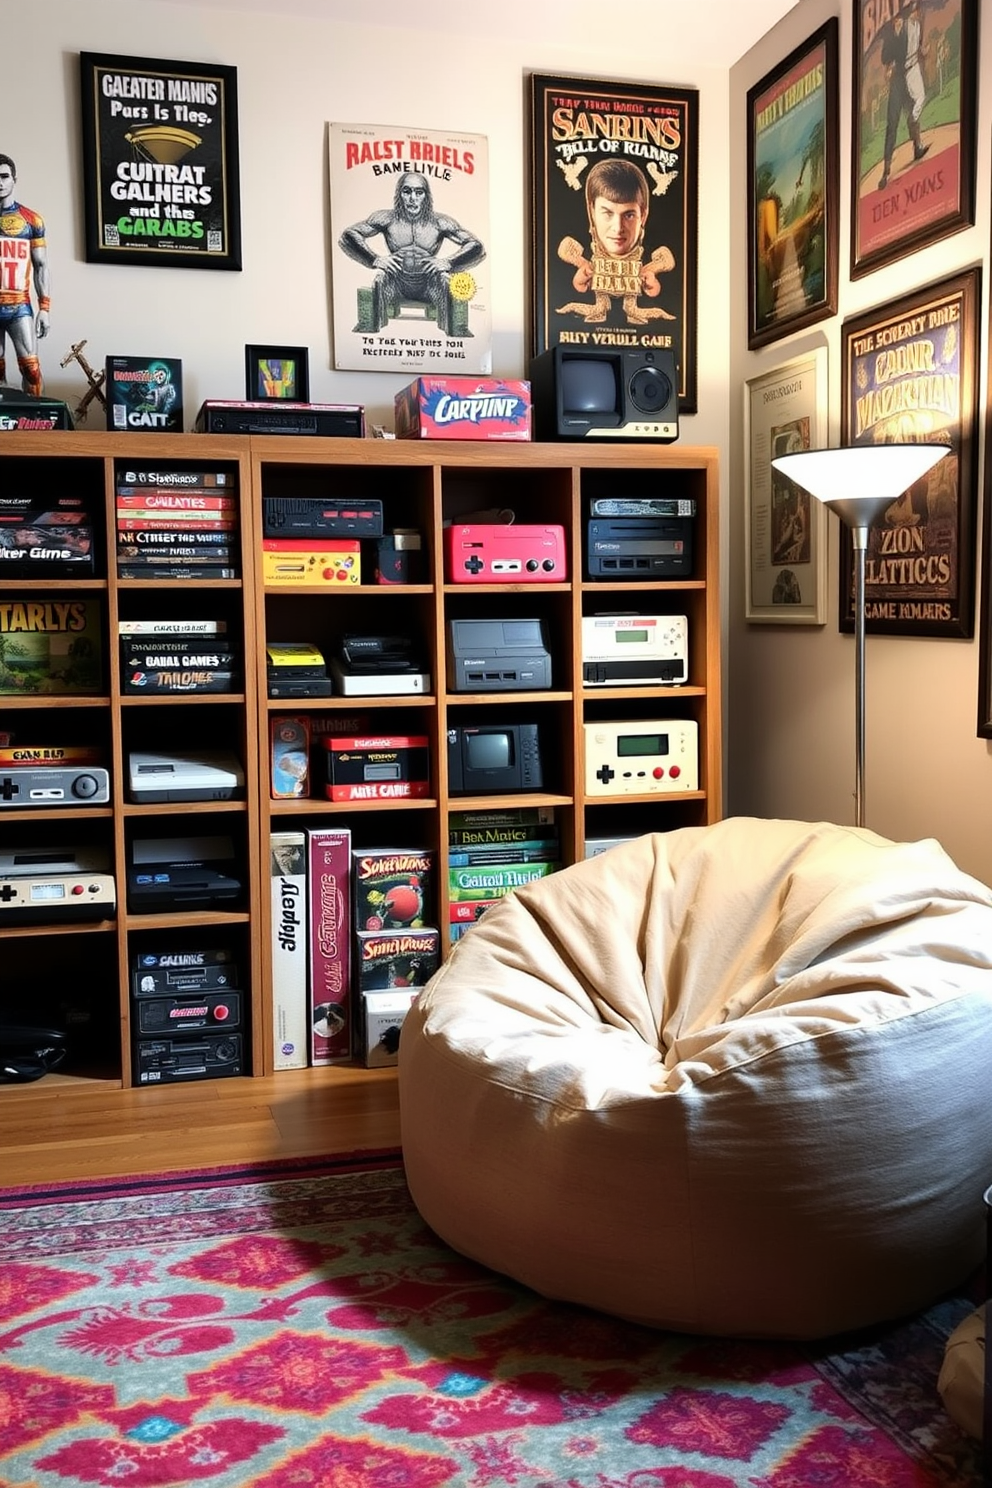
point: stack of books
(177, 524)
(491, 853)
(181, 656)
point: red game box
(463, 408)
(329, 888)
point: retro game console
(42, 885)
(498, 656)
(167, 873)
(208, 775)
(639, 547)
(53, 785)
(505, 553)
(641, 757)
(634, 650)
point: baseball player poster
(614, 175)
(409, 211)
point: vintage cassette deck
(641, 757)
(187, 1012)
(505, 552)
(498, 656)
(309, 516)
(220, 416)
(168, 973)
(634, 650)
(53, 785)
(41, 885)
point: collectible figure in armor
(23, 251)
(411, 269)
(617, 204)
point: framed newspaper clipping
(409, 213)
(909, 376)
(914, 126)
(793, 177)
(614, 187)
(785, 536)
(160, 162)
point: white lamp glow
(859, 482)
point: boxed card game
(144, 393)
(383, 767)
(463, 408)
(395, 958)
(393, 888)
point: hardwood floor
(55, 1130)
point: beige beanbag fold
(728, 1079)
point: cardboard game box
(50, 646)
(144, 393)
(393, 888)
(380, 1022)
(288, 878)
(395, 959)
(329, 911)
(463, 408)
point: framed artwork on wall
(160, 162)
(785, 534)
(913, 128)
(793, 175)
(614, 203)
(909, 377)
(277, 373)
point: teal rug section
(303, 1328)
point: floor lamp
(858, 483)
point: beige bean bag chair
(728, 1079)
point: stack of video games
(177, 524)
(45, 537)
(182, 656)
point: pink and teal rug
(304, 1329)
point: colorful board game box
(329, 906)
(395, 958)
(50, 646)
(463, 408)
(144, 393)
(393, 888)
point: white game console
(207, 775)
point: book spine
(329, 909)
(178, 571)
(290, 1031)
(174, 536)
(527, 835)
(502, 816)
(495, 881)
(171, 627)
(149, 499)
(516, 852)
(163, 522)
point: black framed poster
(160, 162)
(614, 181)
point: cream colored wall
(791, 689)
(294, 75)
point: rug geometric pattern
(311, 1332)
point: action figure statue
(23, 251)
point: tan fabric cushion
(729, 1080)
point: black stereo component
(602, 392)
(163, 1061)
(306, 516)
(278, 417)
(639, 547)
(188, 1012)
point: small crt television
(494, 757)
(601, 392)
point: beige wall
(791, 689)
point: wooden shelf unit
(422, 485)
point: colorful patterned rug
(304, 1329)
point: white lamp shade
(872, 472)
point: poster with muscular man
(910, 378)
(409, 215)
(614, 183)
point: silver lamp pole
(859, 482)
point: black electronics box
(343, 420)
(21, 411)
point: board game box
(50, 646)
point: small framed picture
(276, 374)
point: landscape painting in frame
(913, 128)
(793, 187)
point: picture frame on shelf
(913, 134)
(633, 286)
(160, 179)
(909, 376)
(793, 191)
(276, 374)
(785, 533)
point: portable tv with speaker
(603, 392)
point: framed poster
(785, 534)
(614, 181)
(793, 174)
(409, 212)
(160, 162)
(909, 378)
(913, 131)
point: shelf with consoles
(426, 489)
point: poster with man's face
(614, 182)
(409, 215)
